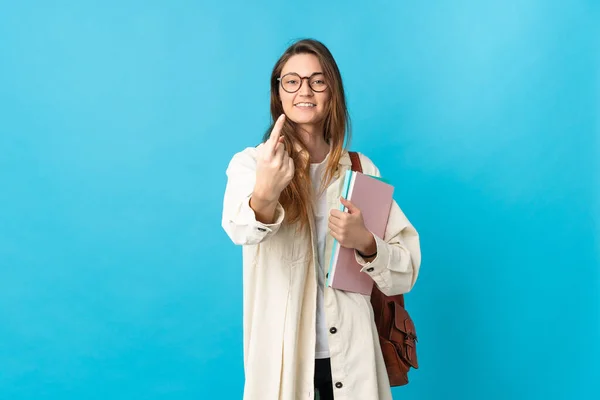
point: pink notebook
(374, 198)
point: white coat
(280, 291)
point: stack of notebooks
(373, 196)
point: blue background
(118, 119)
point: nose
(305, 89)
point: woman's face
(307, 105)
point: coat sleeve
(238, 219)
(396, 266)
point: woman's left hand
(348, 228)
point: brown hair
(296, 198)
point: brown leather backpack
(397, 335)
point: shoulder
(368, 165)
(244, 159)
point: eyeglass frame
(302, 78)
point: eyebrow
(311, 75)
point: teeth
(306, 105)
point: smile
(307, 105)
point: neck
(314, 141)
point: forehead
(302, 64)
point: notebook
(374, 197)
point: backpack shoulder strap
(356, 165)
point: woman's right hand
(274, 168)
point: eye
(292, 81)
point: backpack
(397, 335)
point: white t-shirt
(317, 172)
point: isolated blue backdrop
(118, 119)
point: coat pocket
(294, 247)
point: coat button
(370, 269)
(338, 385)
(327, 275)
(333, 330)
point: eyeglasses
(292, 82)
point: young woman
(281, 204)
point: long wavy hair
(296, 198)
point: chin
(304, 119)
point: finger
(337, 235)
(276, 132)
(337, 214)
(336, 223)
(351, 207)
(334, 235)
(286, 158)
(280, 142)
(273, 140)
(291, 165)
(280, 152)
(335, 231)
